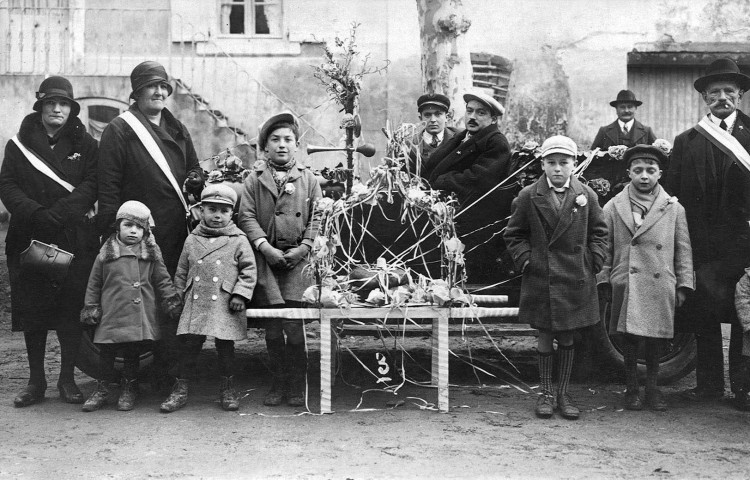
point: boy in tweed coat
(216, 276)
(558, 238)
(649, 268)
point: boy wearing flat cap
(649, 268)
(433, 111)
(558, 240)
(216, 276)
(626, 130)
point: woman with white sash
(48, 184)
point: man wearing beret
(626, 130)
(471, 164)
(147, 155)
(433, 111)
(710, 174)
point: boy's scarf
(280, 173)
(230, 230)
(640, 203)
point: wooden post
(326, 383)
(440, 357)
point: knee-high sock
(565, 355)
(225, 352)
(545, 371)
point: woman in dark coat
(48, 184)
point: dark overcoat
(565, 250)
(128, 172)
(425, 149)
(611, 135)
(286, 220)
(715, 192)
(37, 302)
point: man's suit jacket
(425, 149)
(609, 136)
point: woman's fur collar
(34, 136)
(110, 251)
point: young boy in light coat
(649, 268)
(216, 275)
(557, 237)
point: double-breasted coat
(128, 172)
(215, 264)
(645, 266)
(611, 135)
(286, 220)
(130, 285)
(565, 250)
(38, 302)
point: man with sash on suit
(471, 164)
(710, 174)
(626, 130)
(147, 155)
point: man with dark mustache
(626, 130)
(471, 164)
(710, 174)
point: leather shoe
(742, 400)
(70, 393)
(633, 401)
(545, 405)
(702, 394)
(30, 395)
(656, 401)
(567, 406)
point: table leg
(440, 357)
(325, 364)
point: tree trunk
(446, 62)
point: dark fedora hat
(626, 96)
(435, 99)
(56, 87)
(723, 69)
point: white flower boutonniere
(76, 156)
(581, 200)
(289, 188)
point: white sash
(153, 149)
(42, 167)
(724, 141)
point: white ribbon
(724, 139)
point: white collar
(629, 124)
(729, 120)
(427, 137)
(565, 185)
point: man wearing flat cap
(710, 174)
(471, 164)
(433, 111)
(147, 155)
(626, 130)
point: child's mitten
(91, 314)
(173, 307)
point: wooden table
(440, 333)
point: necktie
(723, 125)
(434, 142)
(625, 129)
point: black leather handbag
(46, 259)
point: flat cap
(494, 106)
(559, 144)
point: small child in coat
(216, 276)
(557, 238)
(649, 268)
(127, 284)
(742, 373)
(277, 212)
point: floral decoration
(289, 188)
(663, 145)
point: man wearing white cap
(470, 164)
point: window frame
(250, 6)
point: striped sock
(565, 367)
(545, 371)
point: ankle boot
(276, 350)
(297, 375)
(632, 396)
(178, 398)
(36, 344)
(230, 400)
(127, 395)
(97, 399)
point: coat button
(200, 261)
(195, 297)
(633, 270)
(214, 297)
(218, 262)
(634, 242)
(197, 278)
(136, 284)
(299, 214)
(215, 279)
(136, 300)
(278, 213)
(659, 247)
(656, 275)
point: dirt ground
(490, 432)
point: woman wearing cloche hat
(48, 184)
